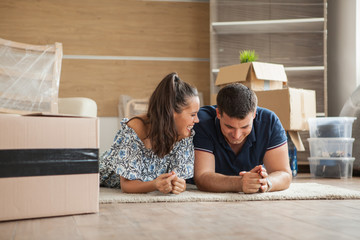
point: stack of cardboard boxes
(269, 81)
(48, 162)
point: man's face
(235, 130)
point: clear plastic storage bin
(331, 147)
(331, 127)
(331, 167)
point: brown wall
(116, 28)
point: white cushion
(78, 106)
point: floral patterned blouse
(128, 157)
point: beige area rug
(297, 191)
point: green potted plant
(248, 56)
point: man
(234, 140)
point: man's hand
(264, 185)
(254, 180)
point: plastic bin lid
(334, 139)
(332, 119)
(332, 158)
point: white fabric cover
(352, 109)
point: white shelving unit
(291, 69)
(269, 26)
(292, 33)
(288, 32)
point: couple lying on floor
(234, 146)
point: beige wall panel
(105, 80)
(111, 27)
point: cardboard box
(296, 139)
(213, 99)
(46, 196)
(293, 106)
(48, 166)
(255, 75)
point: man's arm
(276, 162)
(207, 180)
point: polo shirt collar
(252, 136)
(220, 136)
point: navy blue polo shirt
(267, 133)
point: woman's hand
(163, 183)
(178, 185)
(169, 182)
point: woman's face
(185, 120)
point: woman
(155, 151)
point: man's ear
(254, 115)
(218, 115)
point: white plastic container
(331, 167)
(331, 147)
(331, 127)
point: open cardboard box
(255, 75)
(296, 139)
(293, 107)
(49, 166)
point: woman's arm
(161, 183)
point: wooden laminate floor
(302, 219)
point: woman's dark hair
(171, 95)
(236, 100)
